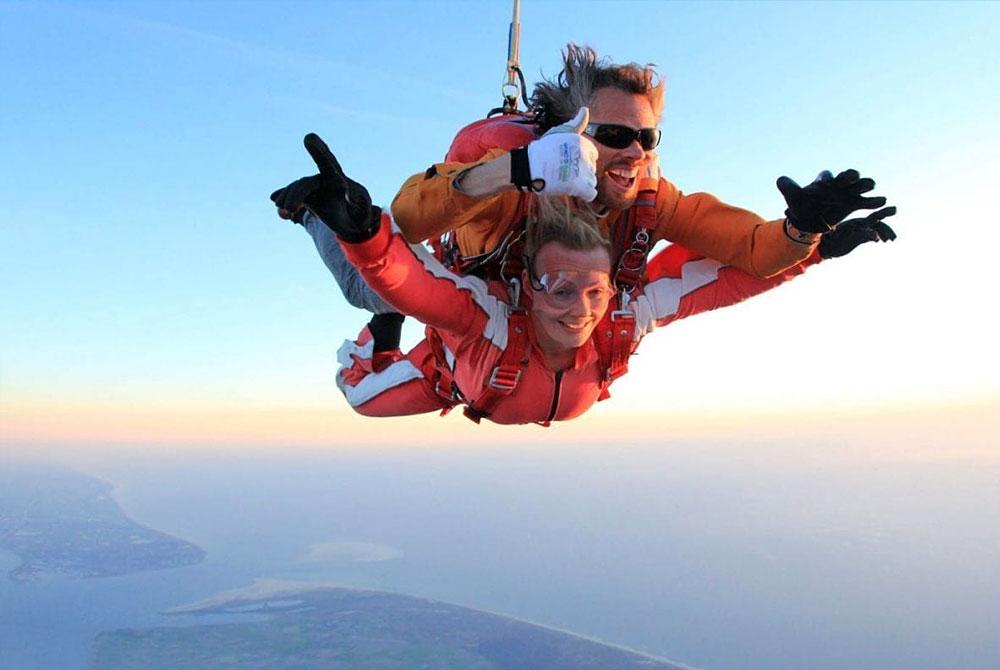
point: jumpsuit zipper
(555, 397)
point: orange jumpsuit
(470, 315)
(428, 205)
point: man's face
(573, 294)
(618, 169)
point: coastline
(267, 588)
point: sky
(150, 295)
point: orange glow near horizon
(179, 425)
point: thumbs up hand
(563, 161)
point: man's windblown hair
(555, 101)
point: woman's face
(570, 293)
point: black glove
(342, 203)
(290, 200)
(823, 204)
(848, 235)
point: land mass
(60, 522)
(309, 626)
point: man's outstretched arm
(682, 283)
(740, 238)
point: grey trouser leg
(351, 284)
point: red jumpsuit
(470, 315)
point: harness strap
(503, 379)
(507, 373)
(444, 379)
(640, 223)
(616, 334)
(622, 344)
(614, 340)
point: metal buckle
(632, 260)
(454, 395)
(508, 383)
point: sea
(715, 554)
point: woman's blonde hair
(562, 219)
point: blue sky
(142, 265)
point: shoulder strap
(640, 222)
(614, 337)
(614, 340)
(507, 373)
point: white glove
(565, 160)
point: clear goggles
(567, 287)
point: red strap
(615, 336)
(641, 222)
(444, 380)
(622, 344)
(507, 373)
(614, 339)
(503, 380)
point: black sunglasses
(618, 137)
